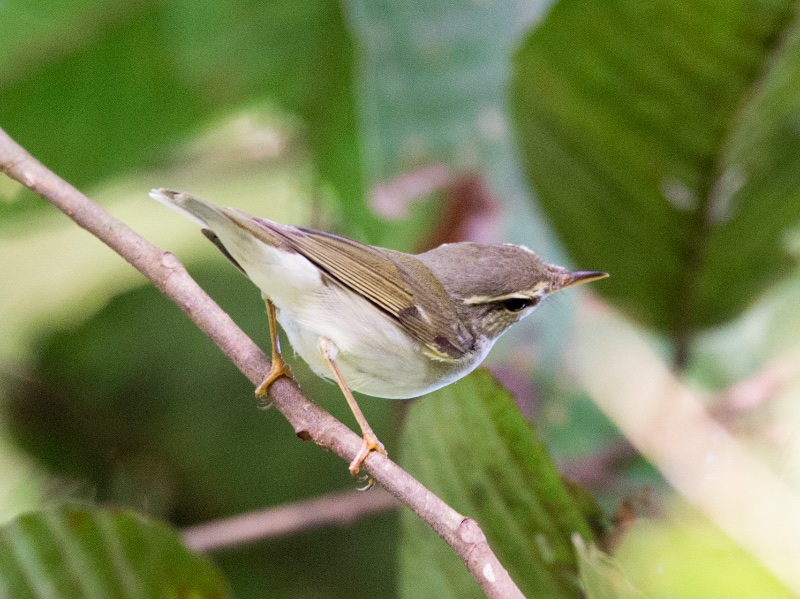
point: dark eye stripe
(515, 304)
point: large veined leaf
(78, 552)
(662, 140)
(470, 445)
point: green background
(658, 141)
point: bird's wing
(386, 279)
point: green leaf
(470, 445)
(662, 139)
(77, 552)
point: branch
(341, 508)
(310, 422)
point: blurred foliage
(661, 140)
(144, 408)
(601, 575)
(123, 81)
(669, 557)
(77, 552)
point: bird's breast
(376, 356)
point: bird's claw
(370, 444)
(278, 369)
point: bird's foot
(278, 369)
(370, 444)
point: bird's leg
(279, 367)
(371, 443)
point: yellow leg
(371, 443)
(279, 367)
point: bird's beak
(579, 277)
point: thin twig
(334, 509)
(310, 422)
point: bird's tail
(191, 207)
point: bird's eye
(515, 304)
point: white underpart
(375, 356)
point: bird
(378, 321)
